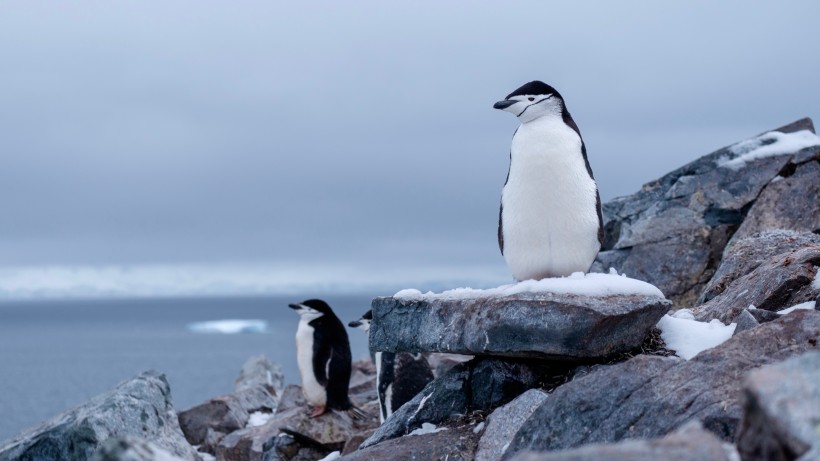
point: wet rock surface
(541, 325)
(140, 407)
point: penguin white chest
(314, 392)
(549, 204)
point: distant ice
(229, 327)
(688, 337)
(427, 428)
(768, 145)
(807, 306)
(575, 284)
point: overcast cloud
(352, 134)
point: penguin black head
(312, 309)
(532, 100)
(363, 323)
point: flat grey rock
(673, 231)
(504, 422)
(649, 397)
(782, 411)
(541, 325)
(140, 407)
(691, 443)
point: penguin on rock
(399, 376)
(550, 222)
(323, 357)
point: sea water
(55, 355)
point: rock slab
(540, 325)
(781, 418)
(140, 407)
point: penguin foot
(318, 411)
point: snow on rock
(807, 305)
(259, 418)
(427, 428)
(688, 337)
(333, 456)
(816, 283)
(768, 145)
(576, 284)
(229, 327)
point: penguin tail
(358, 414)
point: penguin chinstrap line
(324, 359)
(550, 222)
(399, 376)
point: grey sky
(353, 133)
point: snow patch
(229, 327)
(576, 284)
(421, 404)
(802, 306)
(478, 427)
(259, 418)
(688, 337)
(332, 456)
(206, 456)
(768, 145)
(816, 283)
(427, 428)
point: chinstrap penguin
(550, 222)
(399, 376)
(323, 357)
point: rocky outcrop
(481, 385)
(131, 449)
(648, 397)
(140, 407)
(690, 443)
(292, 435)
(780, 282)
(257, 391)
(672, 232)
(782, 411)
(540, 324)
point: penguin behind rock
(550, 222)
(323, 357)
(399, 376)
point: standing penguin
(550, 222)
(399, 376)
(323, 356)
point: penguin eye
(531, 98)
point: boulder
(140, 407)
(673, 231)
(131, 449)
(782, 411)
(292, 435)
(504, 422)
(780, 282)
(259, 371)
(743, 256)
(690, 443)
(790, 201)
(206, 423)
(650, 396)
(452, 444)
(481, 384)
(538, 324)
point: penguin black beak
(295, 307)
(354, 324)
(503, 104)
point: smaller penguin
(323, 357)
(399, 376)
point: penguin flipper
(322, 353)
